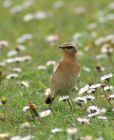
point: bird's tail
(49, 99)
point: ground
(82, 22)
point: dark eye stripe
(69, 47)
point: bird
(66, 72)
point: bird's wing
(55, 78)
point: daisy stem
(108, 81)
(72, 102)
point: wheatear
(64, 77)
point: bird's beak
(61, 47)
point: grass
(64, 23)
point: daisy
(17, 70)
(25, 125)
(108, 88)
(84, 89)
(99, 41)
(111, 96)
(95, 86)
(28, 17)
(52, 38)
(102, 117)
(107, 77)
(24, 38)
(99, 68)
(7, 3)
(56, 130)
(92, 109)
(47, 91)
(3, 44)
(93, 114)
(71, 131)
(89, 98)
(102, 111)
(20, 48)
(63, 98)
(12, 75)
(83, 120)
(4, 136)
(25, 108)
(80, 10)
(92, 90)
(80, 100)
(12, 53)
(23, 83)
(86, 69)
(58, 4)
(53, 63)
(45, 113)
(42, 67)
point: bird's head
(68, 48)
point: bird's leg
(69, 103)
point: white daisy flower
(99, 41)
(17, 70)
(4, 136)
(42, 67)
(111, 6)
(108, 88)
(92, 90)
(89, 98)
(63, 98)
(56, 130)
(2, 64)
(92, 26)
(3, 44)
(80, 10)
(102, 111)
(47, 91)
(40, 15)
(102, 117)
(92, 109)
(106, 77)
(45, 113)
(93, 114)
(100, 138)
(25, 108)
(111, 96)
(95, 86)
(51, 63)
(24, 83)
(16, 138)
(12, 75)
(71, 131)
(20, 48)
(25, 125)
(84, 89)
(58, 4)
(52, 38)
(83, 120)
(28, 17)
(24, 38)
(7, 3)
(113, 110)
(12, 53)
(80, 100)
(16, 9)
(86, 69)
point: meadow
(31, 32)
